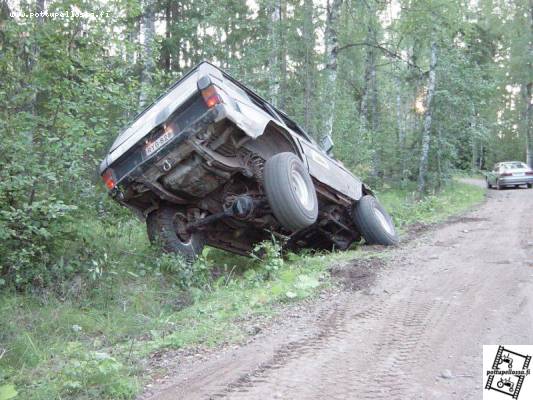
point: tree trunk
(176, 17)
(282, 95)
(374, 113)
(332, 48)
(401, 128)
(369, 100)
(147, 50)
(274, 66)
(166, 53)
(36, 97)
(309, 43)
(423, 165)
(527, 94)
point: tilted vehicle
(211, 162)
(510, 173)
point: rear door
(328, 171)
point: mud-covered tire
(163, 226)
(290, 191)
(373, 222)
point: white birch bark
(527, 93)
(332, 48)
(400, 123)
(426, 131)
(528, 99)
(147, 50)
(274, 64)
(309, 43)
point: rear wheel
(167, 227)
(373, 222)
(499, 185)
(290, 191)
(529, 185)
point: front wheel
(290, 191)
(167, 228)
(373, 222)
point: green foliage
(8, 392)
(94, 374)
(406, 208)
(268, 257)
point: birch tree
(528, 111)
(426, 131)
(527, 90)
(330, 72)
(274, 64)
(147, 51)
(309, 43)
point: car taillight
(109, 179)
(529, 173)
(211, 96)
(506, 174)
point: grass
(90, 342)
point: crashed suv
(211, 162)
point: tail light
(209, 92)
(211, 96)
(506, 174)
(109, 179)
(529, 173)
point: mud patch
(357, 274)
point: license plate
(518, 174)
(151, 148)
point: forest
(412, 92)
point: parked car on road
(510, 173)
(211, 162)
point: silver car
(510, 173)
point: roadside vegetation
(88, 337)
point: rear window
(515, 165)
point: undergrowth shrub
(268, 258)
(95, 374)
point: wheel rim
(180, 223)
(384, 221)
(301, 190)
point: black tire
(373, 222)
(498, 186)
(166, 228)
(529, 185)
(489, 186)
(290, 191)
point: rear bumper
(515, 180)
(135, 165)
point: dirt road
(415, 333)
